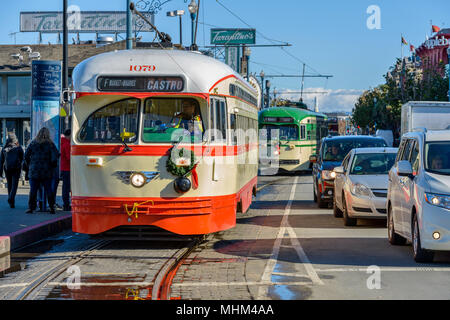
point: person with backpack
(41, 159)
(11, 163)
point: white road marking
(388, 269)
(284, 232)
(240, 283)
(101, 284)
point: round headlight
(182, 184)
(137, 179)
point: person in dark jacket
(41, 158)
(65, 168)
(11, 163)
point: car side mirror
(313, 158)
(339, 170)
(404, 169)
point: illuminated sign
(145, 84)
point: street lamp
(262, 74)
(248, 52)
(174, 14)
(193, 7)
(267, 92)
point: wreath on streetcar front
(183, 163)
(182, 166)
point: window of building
(19, 90)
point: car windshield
(372, 163)
(337, 149)
(286, 132)
(437, 157)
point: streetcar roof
(297, 113)
(201, 73)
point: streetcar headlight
(360, 190)
(182, 184)
(137, 179)
(328, 175)
(439, 200)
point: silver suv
(418, 201)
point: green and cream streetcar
(292, 134)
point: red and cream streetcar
(164, 138)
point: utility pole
(129, 26)
(65, 69)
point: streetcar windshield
(280, 132)
(108, 124)
(172, 120)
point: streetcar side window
(111, 123)
(172, 120)
(218, 120)
(302, 132)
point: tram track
(35, 286)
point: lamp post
(268, 93)
(178, 13)
(129, 26)
(248, 52)
(262, 74)
(193, 7)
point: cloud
(328, 100)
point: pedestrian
(41, 158)
(11, 163)
(65, 169)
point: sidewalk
(18, 229)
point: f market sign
(233, 36)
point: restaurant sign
(233, 36)
(82, 21)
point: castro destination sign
(233, 36)
(82, 21)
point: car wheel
(349, 222)
(337, 213)
(322, 204)
(420, 255)
(393, 237)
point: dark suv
(332, 152)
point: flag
(411, 48)
(435, 28)
(404, 41)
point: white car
(418, 200)
(361, 184)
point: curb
(35, 233)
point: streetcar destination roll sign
(146, 84)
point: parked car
(332, 152)
(361, 184)
(418, 201)
(387, 135)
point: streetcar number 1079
(144, 68)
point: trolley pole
(129, 26)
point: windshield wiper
(126, 147)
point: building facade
(434, 50)
(15, 80)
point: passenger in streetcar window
(188, 118)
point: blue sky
(330, 36)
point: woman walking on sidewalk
(11, 162)
(41, 159)
(65, 168)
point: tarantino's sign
(233, 36)
(144, 84)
